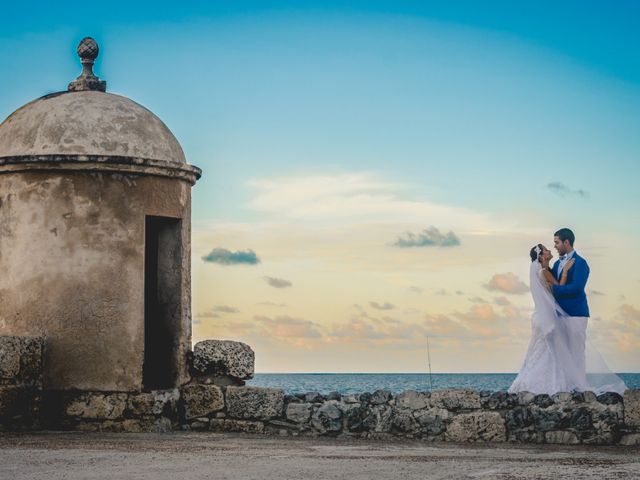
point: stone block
(223, 357)
(97, 406)
(21, 360)
(356, 416)
(581, 419)
(457, 399)
(562, 437)
(590, 397)
(328, 418)
(630, 439)
(279, 424)
(476, 426)
(500, 401)
(254, 402)
(518, 418)
(333, 396)
(405, 422)
(610, 398)
(313, 397)
(546, 419)
(380, 397)
(525, 398)
(562, 397)
(298, 412)
(632, 407)
(380, 419)
(351, 398)
(543, 400)
(165, 402)
(433, 421)
(156, 402)
(412, 400)
(202, 400)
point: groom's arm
(578, 282)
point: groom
(571, 296)
(573, 300)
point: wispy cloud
(477, 300)
(502, 301)
(223, 256)
(386, 331)
(414, 289)
(507, 283)
(382, 306)
(429, 237)
(355, 195)
(289, 327)
(272, 304)
(278, 282)
(225, 309)
(563, 190)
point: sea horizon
(347, 383)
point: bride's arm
(548, 276)
(563, 278)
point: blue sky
(519, 117)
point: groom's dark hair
(565, 234)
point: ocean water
(395, 382)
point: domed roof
(87, 123)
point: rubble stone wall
(217, 399)
(444, 415)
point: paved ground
(235, 456)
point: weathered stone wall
(444, 415)
(217, 399)
(72, 251)
(222, 404)
(155, 411)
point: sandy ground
(240, 456)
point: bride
(559, 358)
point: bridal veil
(560, 356)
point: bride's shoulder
(539, 272)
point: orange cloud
(507, 283)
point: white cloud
(356, 195)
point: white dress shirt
(563, 261)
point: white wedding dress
(559, 357)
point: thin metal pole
(429, 359)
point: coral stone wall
(217, 399)
(444, 415)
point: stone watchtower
(95, 228)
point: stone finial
(87, 51)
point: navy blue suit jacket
(571, 296)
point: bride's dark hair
(533, 255)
